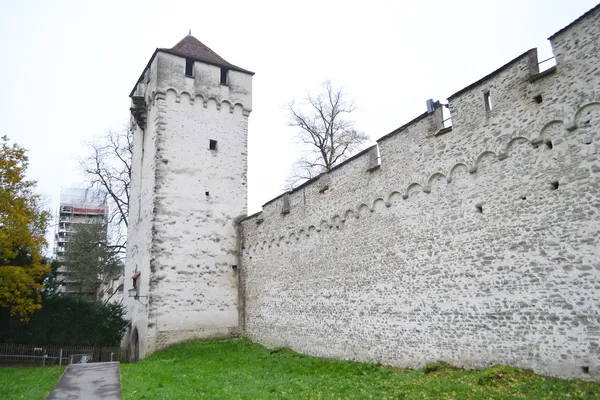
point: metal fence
(40, 356)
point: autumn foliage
(23, 223)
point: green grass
(245, 370)
(28, 383)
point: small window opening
(487, 99)
(538, 99)
(585, 369)
(554, 185)
(224, 76)
(549, 145)
(212, 144)
(234, 267)
(479, 208)
(207, 193)
(523, 197)
(189, 67)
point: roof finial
(190, 33)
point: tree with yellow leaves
(23, 223)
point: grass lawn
(245, 370)
(28, 383)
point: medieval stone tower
(190, 112)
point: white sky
(68, 66)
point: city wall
(476, 244)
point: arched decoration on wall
(437, 177)
(336, 221)
(412, 189)
(584, 107)
(349, 214)
(455, 170)
(485, 158)
(185, 98)
(324, 225)
(238, 109)
(212, 103)
(226, 107)
(199, 100)
(394, 196)
(172, 96)
(363, 210)
(379, 202)
(514, 141)
(548, 127)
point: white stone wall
(141, 216)
(459, 247)
(185, 240)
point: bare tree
(108, 167)
(326, 131)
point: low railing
(546, 64)
(40, 356)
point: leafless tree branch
(326, 130)
(108, 167)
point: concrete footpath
(89, 382)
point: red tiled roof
(190, 47)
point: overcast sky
(68, 66)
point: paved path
(89, 382)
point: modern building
(77, 206)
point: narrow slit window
(189, 67)
(487, 99)
(224, 76)
(212, 144)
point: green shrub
(67, 320)
(502, 375)
(438, 367)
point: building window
(189, 67)
(487, 99)
(224, 76)
(212, 144)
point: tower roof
(190, 47)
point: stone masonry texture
(187, 197)
(476, 246)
